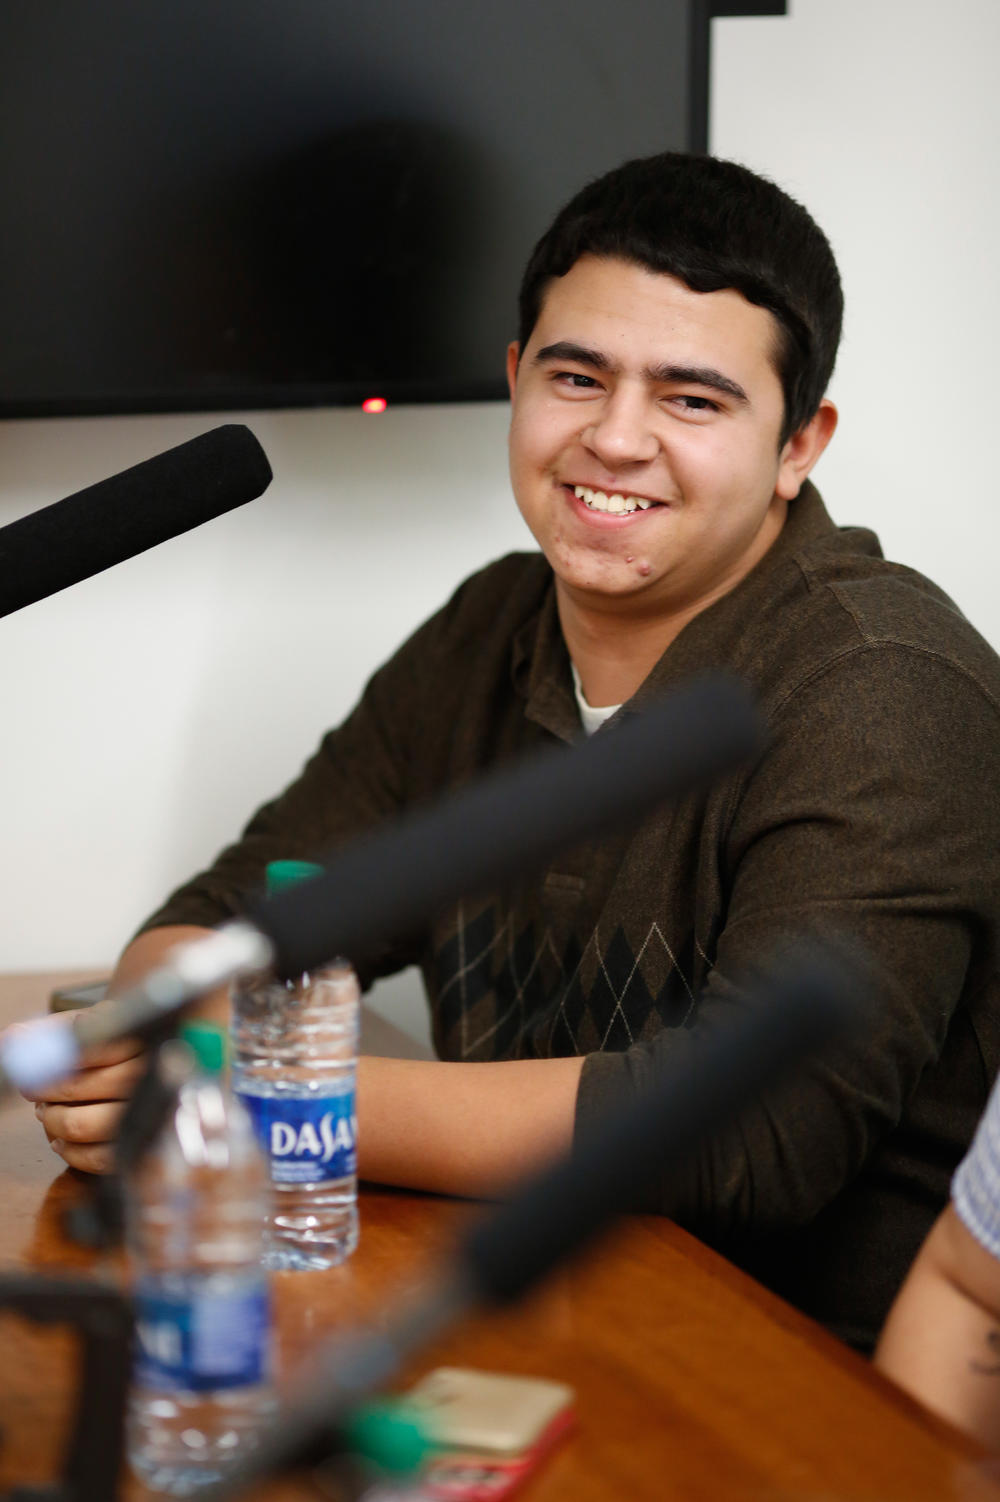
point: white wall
(882, 116)
(150, 709)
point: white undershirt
(592, 719)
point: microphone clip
(104, 1320)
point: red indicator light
(374, 404)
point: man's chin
(617, 581)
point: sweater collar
(714, 637)
(541, 671)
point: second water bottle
(196, 1206)
(294, 1058)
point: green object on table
(388, 1434)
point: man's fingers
(80, 1126)
(112, 1052)
(111, 1082)
(93, 1060)
(95, 1157)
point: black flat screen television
(215, 204)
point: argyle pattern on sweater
(508, 991)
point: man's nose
(623, 432)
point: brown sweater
(874, 812)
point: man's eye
(575, 379)
(697, 403)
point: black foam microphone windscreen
(695, 1089)
(96, 528)
(505, 825)
(701, 1084)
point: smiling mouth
(614, 504)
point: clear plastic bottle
(294, 1053)
(195, 1212)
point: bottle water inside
(294, 1056)
(195, 1212)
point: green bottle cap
(282, 874)
(388, 1434)
(208, 1044)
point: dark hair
(713, 225)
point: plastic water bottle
(195, 1213)
(295, 1049)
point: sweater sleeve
(401, 746)
(357, 777)
(872, 818)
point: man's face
(644, 438)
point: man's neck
(613, 653)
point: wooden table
(692, 1382)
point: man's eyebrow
(666, 374)
(565, 349)
(696, 375)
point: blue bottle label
(307, 1138)
(193, 1339)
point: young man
(679, 324)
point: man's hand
(81, 1115)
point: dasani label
(306, 1138)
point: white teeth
(617, 505)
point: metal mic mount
(36, 1054)
(98, 1219)
(103, 1318)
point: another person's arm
(941, 1341)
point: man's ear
(803, 449)
(513, 356)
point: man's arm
(941, 1341)
(352, 781)
(423, 1123)
(467, 1129)
(857, 827)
